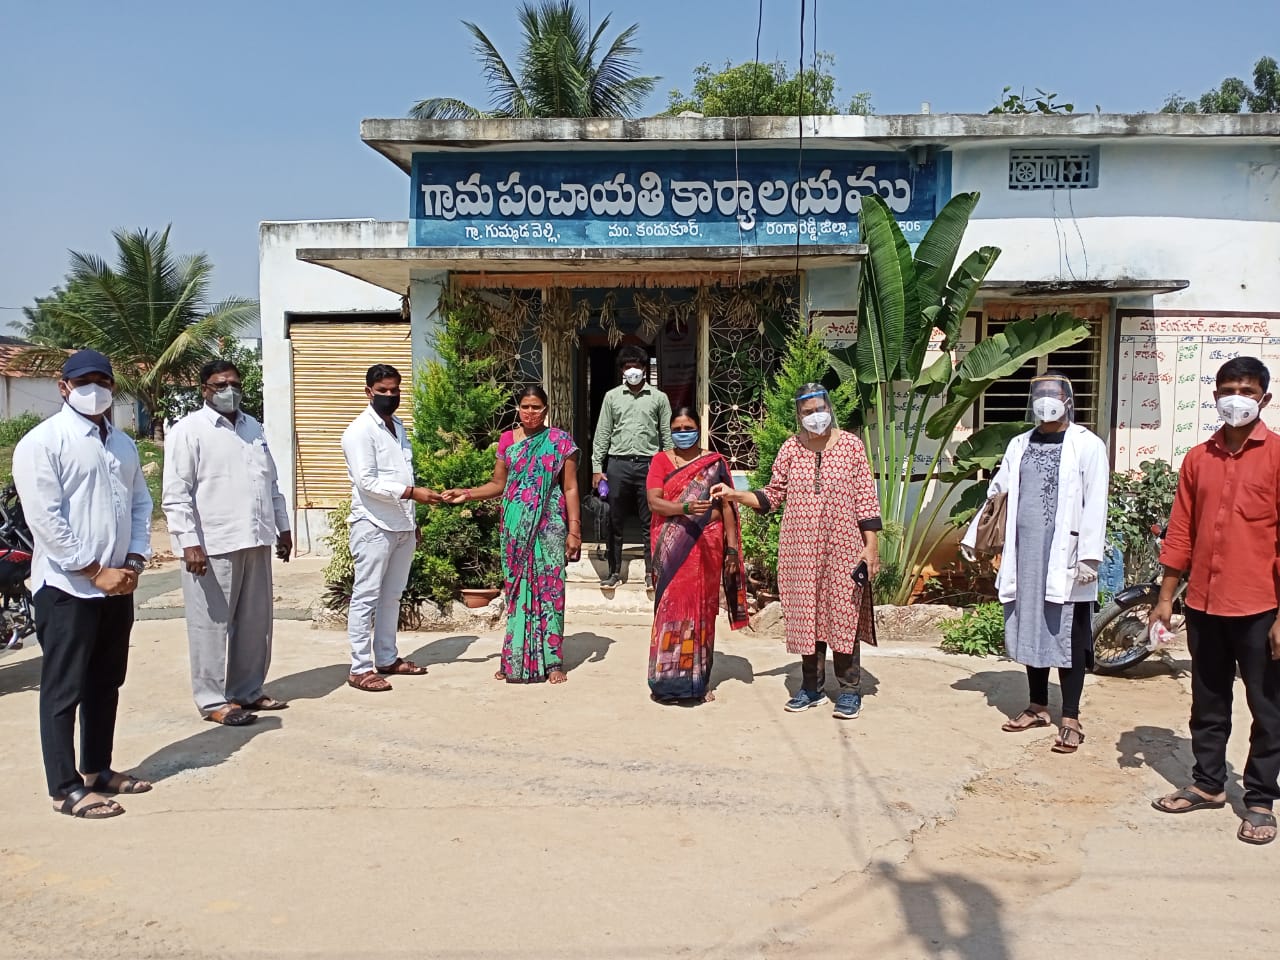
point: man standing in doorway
(634, 424)
(383, 530)
(225, 513)
(1225, 529)
(86, 502)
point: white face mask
(89, 399)
(819, 422)
(1237, 411)
(633, 377)
(1048, 409)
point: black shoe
(611, 581)
(648, 581)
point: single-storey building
(705, 238)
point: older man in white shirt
(225, 512)
(383, 530)
(86, 502)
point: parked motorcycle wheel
(1120, 632)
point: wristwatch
(134, 564)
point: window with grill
(1006, 400)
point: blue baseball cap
(84, 362)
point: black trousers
(1219, 645)
(1070, 679)
(627, 493)
(848, 669)
(85, 646)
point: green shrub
(13, 430)
(1138, 501)
(979, 633)
(339, 572)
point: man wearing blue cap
(86, 502)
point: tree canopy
(563, 71)
(754, 89)
(148, 313)
(1234, 95)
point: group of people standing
(86, 501)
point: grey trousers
(229, 620)
(382, 561)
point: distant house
(25, 392)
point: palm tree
(147, 313)
(561, 71)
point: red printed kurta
(820, 544)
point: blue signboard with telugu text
(672, 198)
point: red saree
(691, 567)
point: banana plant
(906, 302)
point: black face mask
(385, 404)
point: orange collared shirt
(1225, 526)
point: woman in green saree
(536, 474)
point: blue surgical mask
(684, 439)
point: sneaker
(611, 581)
(848, 706)
(804, 700)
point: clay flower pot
(476, 598)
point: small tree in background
(457, 410)
(764, 89)
(806, 361)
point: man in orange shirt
(1225, 530)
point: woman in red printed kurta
(829, 530)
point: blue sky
(215, 116)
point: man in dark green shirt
(634, 424)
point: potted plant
(457, 414)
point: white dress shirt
(381, 467)
(220, 486)
(84, 498)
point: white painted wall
(288, 285)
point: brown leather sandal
(266, 703)
(232, 715)
(403, 667)
(368, 681)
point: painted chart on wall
(1165, 372)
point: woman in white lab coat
(1056, 477)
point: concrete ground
(464, 818)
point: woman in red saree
(695, 553)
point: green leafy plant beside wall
(806, 360)
(979, 633)
(457, 410)
(1138, 501)
(903, 299)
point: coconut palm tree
(147, 313)
(561, 72)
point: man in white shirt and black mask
(86, 502)
(225, 513)
(384, 531)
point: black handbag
(596, 520)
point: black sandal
(74, 796)
(1255, 819)
(1063, 742)
(128, 785)
(1194, 802)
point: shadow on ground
(20, 676)
(210, 747)
(448, 650)
(1168, 753)
(950, 914)
(1005, 690)
(584, 648)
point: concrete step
(593, 565)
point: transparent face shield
(1052, 400)
(813, 409)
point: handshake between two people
(431, 497)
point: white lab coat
(1080, 525)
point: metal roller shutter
(329, 364)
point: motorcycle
(1120, 628)
(17, 619)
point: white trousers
(382, 561)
